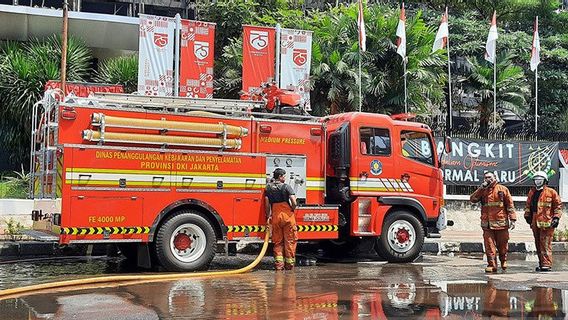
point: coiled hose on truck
(113, 281)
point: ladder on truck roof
(229, 107)
(179, 102)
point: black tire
(200, 248)
(404, 251)
(349, 247)
(129, 250)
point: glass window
(417, 146)
(374, 141)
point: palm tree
(512, 88)
(25, 68)
(120, 70)
(425, 70)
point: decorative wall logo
(161, 39)
(300, 56)
(258, 39)
(201, 49)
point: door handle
(364, 174)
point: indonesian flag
(361, 26)
(491, 44)
(535, 52)
(442, 35)
(401, 34)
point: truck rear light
(57, 219)
(68, 113)
(265, 128)
(316, 131)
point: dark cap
(278, 172)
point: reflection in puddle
(333, 292)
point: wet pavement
(437, 287)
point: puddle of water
(355, 291)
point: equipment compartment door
(91, 215)
(249, 218)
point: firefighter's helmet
(540, 174)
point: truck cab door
(417, 166)
(374, 168)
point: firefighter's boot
(504, 265)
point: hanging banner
(156, 55)
(514, 163)
(196, 59)
(295, 61)
(258, 56)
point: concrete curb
(477, 247)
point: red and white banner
(259, 44)
(156, 55)
(196, 59)
(295, 61)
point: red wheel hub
(402, 235)
(182, 241)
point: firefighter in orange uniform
(280, 201)
(497, 216)
(542, 212)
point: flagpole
(360, 84)
(449, 72)
(536, 101)
(405, 91)
(495, 93)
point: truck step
(40, 235)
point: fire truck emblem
(201, 49)
(258, 39)
(376, 167)
(161, 39)
(300, 56)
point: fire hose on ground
(113, 281)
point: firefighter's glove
(554, 223)
(528, 220)
(511, 224)
(484, 185)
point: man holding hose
(280, 202)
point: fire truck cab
(170, 179)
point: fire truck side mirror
(448, 144)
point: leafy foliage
(120, 70)
(25, 68)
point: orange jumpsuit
(284, 235)
(496, 210)
(549, 206)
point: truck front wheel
(401, 238)
(185, 242)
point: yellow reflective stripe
(279, 258)
(150, 183)
(493, 204)
(290, 260)
(314, 188)
(173, 172)
(544, 204)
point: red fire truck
(170, 179)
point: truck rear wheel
(185, 242)
(402, 237)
